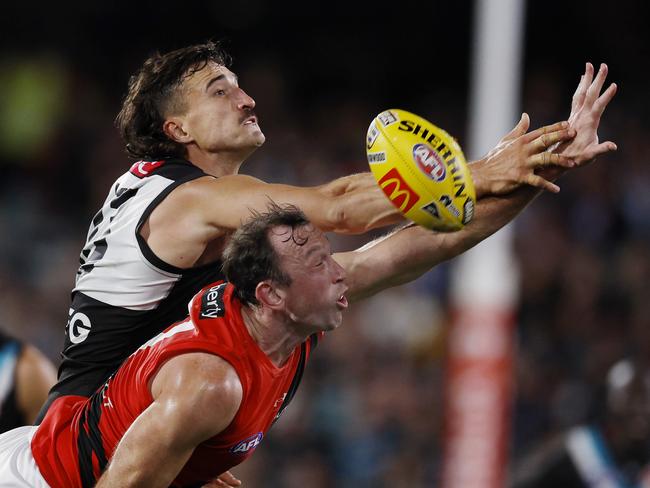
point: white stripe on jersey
(121, 275)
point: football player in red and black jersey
(199, 398)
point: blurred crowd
(369, 412)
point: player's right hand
(514, 160)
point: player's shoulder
(207, 191)
(200, 379)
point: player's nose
(245, 101)
(339, 274)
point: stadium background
(369, 411)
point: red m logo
(397, 191)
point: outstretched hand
(513, 161)
(587, 107)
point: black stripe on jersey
(180, 175)
(295, 383)
(97, 219)
(313, 342)
(122, 196)
(89, 441)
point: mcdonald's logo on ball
(413, 162)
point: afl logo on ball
(429, 162)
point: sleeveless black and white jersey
(124, 294)
(10, 415)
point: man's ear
(270, 295)
(174, 128)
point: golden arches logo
(398, 191)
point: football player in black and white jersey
(161, 231)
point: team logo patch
(397, 191)
(429, 162)
(386, 118)
(212, 302)
(373, 133)
(378, 157)
(143, 168)
(248, 444)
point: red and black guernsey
(78, 436)
(124, 294)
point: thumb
(522, 126)
(520, 129)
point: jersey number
(100, 228)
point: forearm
(131, 473)
(349, 183)
(152, 451)
(356, 204)
(145, 458)
(412, 250)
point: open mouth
(342, 302)
(250, 120)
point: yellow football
(421, 169)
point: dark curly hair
(250, 257)
(153, 93)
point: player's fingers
(519, 129)
(539, 182)
(230, 479)
(578, 95)
(550, 159)
(219, 484)
(531, 136)
(589, 75)
(602, 148)
(605, 98)
(594, 90)
(547, 140)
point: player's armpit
(196, 396)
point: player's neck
(215, 164)
(276, 338)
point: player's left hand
(587, 107)
(224, 480)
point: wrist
(477, 172)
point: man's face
(316, 295)
(216, 113)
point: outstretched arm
(411, 251)
(355, 204)
(196, 396)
